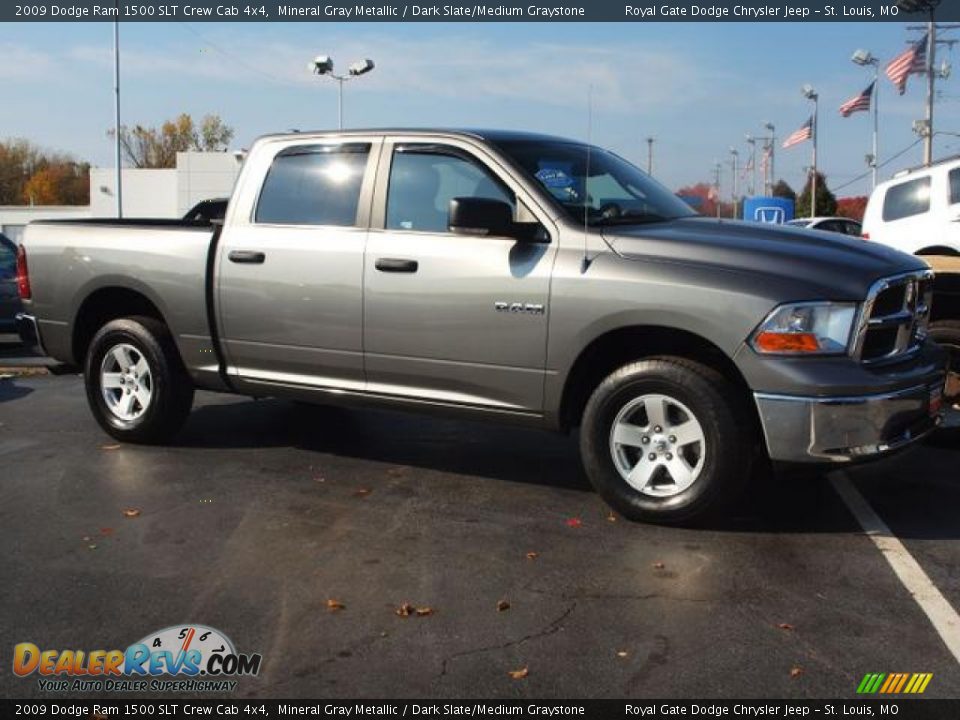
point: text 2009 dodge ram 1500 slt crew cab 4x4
(507, 275)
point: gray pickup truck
(503, 275)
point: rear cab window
(314, 185)
(907, 199)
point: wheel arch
(104, 305)
(616, 347)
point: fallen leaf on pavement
(796, 672)
(611, 518)
(532, 555)
(334, 605)
(424, 611)
(109, 447)
(92, 546)
(574, 522)
(785, 626)
(502, 605)
(319, 479)
(362, 492)
(519, 674)
(131, 512)
(405, 610)
(621, 653)
(658, 566)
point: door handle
(396, 265)
(252, 257)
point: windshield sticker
(554, 178)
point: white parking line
(940, 612)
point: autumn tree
(702, 197)
(149, 147)
(29, 175)
(852, 207)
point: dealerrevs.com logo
(181, 658)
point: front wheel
(136, 385)
(667, 440)
(946, 333)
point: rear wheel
(667, 440)
(136, 384)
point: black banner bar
(89, 709)
(344, 11)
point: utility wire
(238, 61)
(888, 160)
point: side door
(453, 318)
(951, 222)
(290, 268)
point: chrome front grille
(893, 320)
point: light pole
(773, 149)
(323, 65)
(116, 113)
(810, 94)
(864, 58)
(735, 157)
(752, 142)
(650, 156)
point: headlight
(810, 328)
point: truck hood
(836, 267)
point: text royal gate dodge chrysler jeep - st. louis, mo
(503, 275)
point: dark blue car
(9, 298)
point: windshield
(613, 193)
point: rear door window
(314, 185)
(907, 199)
(954, 186)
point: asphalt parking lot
(264, 511)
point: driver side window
(424, 180)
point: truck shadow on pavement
(516, 455)
(10, 390)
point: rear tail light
(865, 236)
(23, 275)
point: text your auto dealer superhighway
(707, 12)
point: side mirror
(480, 216)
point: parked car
(510, 276)
(9, 298)
(918, 212)
(207, 210)
(842, 225)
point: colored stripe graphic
(894, 683)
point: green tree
(149, 147)
(826, 202)
(782, 189)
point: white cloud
(23, 63)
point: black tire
(170, 387)
(693, 388)
(946, 333)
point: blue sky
(696, 87)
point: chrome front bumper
(844, 429)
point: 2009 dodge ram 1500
(507, 275)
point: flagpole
(813, 181)
(876, 121)
(931, 50)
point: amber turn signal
(787, 342)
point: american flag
(911, 60)
(858, 102)
(804, 132)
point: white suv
(918, 211)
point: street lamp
(864, 58)
(323, 65)
(752, 142)
(772, 148)
(810, 94)
(735, 155)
